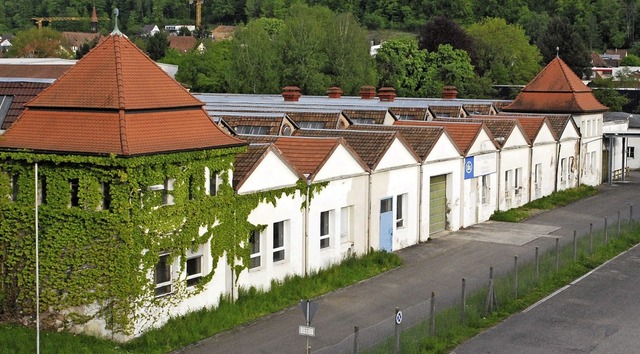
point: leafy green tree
(563, 40)
(510, 10)
(630, 60)
(157, 45)
(257, 63)
(441, 30)
(184, 31)
(534, 24)
(605, 92)
(450, 66)
(402, 65)
(35, 43)
(461, 10)
(204, 71)
(504, 52)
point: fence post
(463, 302)
(537, 260)
(606, 231)
(356, 330)
(397, 351)
(631, 214)
(575, 247)
(590, 238)
(618, 224)
(515, 276)
(433, 313)
(557, 254)
(490, 302)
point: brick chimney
(449, 92)
(334, 92)
(367, 92)
(387, 94)
(291, 93)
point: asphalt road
(596, 314)
(437, 265)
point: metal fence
(420, 323)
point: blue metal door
(386, 224)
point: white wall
(590, 126)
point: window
(278, 241)
(194, 270)
(325, 229)
(75, 188)
(212, 182)
(363, 121)
(345, 224)
(311, 125)
(485, 189)
(518, 180)
(570, 168)
(5, 104)
(286, 130)
(167, 192)
(386, 205)
(563, 169)
(537, 174)
(163, 278)
(593, 160)
(254, 246)
(631, 152)
(14, 187)
(252, 130)
(507, 181)
(401, 206)
(106, 196)
(42, 190)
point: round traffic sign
(399, 317)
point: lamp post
(37, 261)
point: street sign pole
(308, 350)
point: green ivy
(105, 258)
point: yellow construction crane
(198, 12)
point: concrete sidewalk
(437, 265)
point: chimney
(334, 92)
(387, 94)
(449, 92)
(291, 93)
(367, 92)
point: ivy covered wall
(102, 257)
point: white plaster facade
(514, 161)
(543, 163)
(590, 164)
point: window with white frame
(213, 181)
(14, 180)
(485, 180)
(537, 176)
(279, 241)
(194, 269)
(345, 224)
(563, 169)
(518, 180)
(167, 191)
(401, 210)
(507, 181)
(163, 275)
(326, 221)
(570, 168)
(74, 198)
(631, 152)
(593, 160)
(255, 258)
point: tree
(450, 66)
(630, 60)
(605, 92)
(402, 65)
(504, 52)
(562, 39)
(157, 45)
(38, 43)
(184, 31)
(204, 71)
(442, 30)
(461, 10)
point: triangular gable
(444, 149)
(517, 138)
(398, 154)
(483, 142)
(270, 171)
(341, 162)
(545, 134)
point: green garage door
(437, 203)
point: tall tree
(38, 43)
(204, 71)
(504, 52)
(157, 45)
(402, 65)
(441, 30)
(562, 39)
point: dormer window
(252, 130)
(311, 125)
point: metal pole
(575, 247)
(590, 237)
(37, 263)
(515, 276)
(433, 313)
(463, 300)
(537, 266)
(397, 331)
(355, 339)
(308, 348)
(557, 253)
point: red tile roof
(531, 125)
(115, 101)
(462, 134)
(33, 71)
(22, 93)
(500, 128)
(556, 89)
(182, 43)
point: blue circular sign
(399, 317)
(468, 167)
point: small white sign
(399, 317)
(307, 331)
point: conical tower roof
(556, 89)
(115, 100)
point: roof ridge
(122, 121)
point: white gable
(516, 138)
(397, 155)
(270, 173)
(443, 149)
(482, 144)
(340, 163)
(569, 132)
(544, 135)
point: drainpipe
(420, 188)
(369, 201)
(530, 168)
(559, 149)
(306, 226)
(624, 157)
(499, 155)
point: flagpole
(37, 265)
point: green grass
(552, 201)
(451, 332)
(193, 327)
